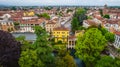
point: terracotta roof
(31, 21)
(71, 37)
(61, 29)
(112, 21)
(117, 33)
(90, 22)
(51, 23)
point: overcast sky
(59, 2)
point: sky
(59, 2)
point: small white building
(112, 24)
(28, 25)
(117, 40)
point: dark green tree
(106, 16)
(74, 24)
(110, 37)
(80, 14)
(103, 30)
(13, 8)
(101, 12)
(89, 46)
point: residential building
(114, 23)
(72, 39)
(117, 39)
(61, 34)
(29, 13)
(28, 25)
(50, 26)
(6, 24)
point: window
(63, 32)
(58, 32)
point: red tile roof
(33, 21)
(72, 37)
(61, 29)
(112, 21)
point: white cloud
(60, 2)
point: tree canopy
(44, 15)
(90, 45)
(107, 61)
(29, 58)
(74, 24)
(106, 16)
(80, 14)
(40, 53)
(9, 50)
(110, 37)
(64, 59)
(42, 46)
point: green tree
(13, 8)
(59, 62)
(103, 30)
(39, 54)
(63, 59)
(74, 24)
(25, 43)
(90, 45)
(69, 61)
(89, 17)
(69, 10)
(41, 45)
(80, 14)
(107, 61)
(117, 62)
(9, 30)
(29, 58)
(110, 37)
(81, 28)
(16, 23)
(44, 15)
(106, 16)
(101, 12)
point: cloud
(60, 2)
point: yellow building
(31, 13)
(79, 32)
(61, 34)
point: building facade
(6, 24)
(61, 34)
